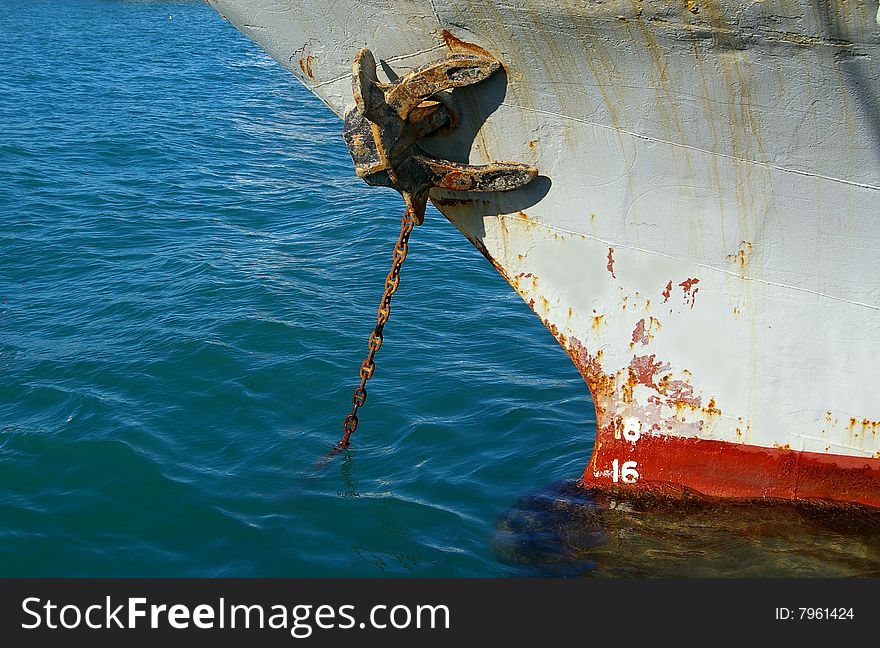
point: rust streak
(305, 64)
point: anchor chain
(368, 366)
(383, 132)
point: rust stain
(644, 331)
(672, 405)
(610, 265)
(667, 292)
(305, 64)
(865, 427)
(639, 336)
(626, 393)
(653, 325)
(458, 46)
(742, 257)
(517, 281)
(600, 384)
(560, 337)
(597, 322)
(690, 293)
(681, 393)
(643, 369)
(743, 428)
(711, 407)
(545, 304)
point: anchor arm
(389, 119)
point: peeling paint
(675, 463)
(690, 293)
(667, 292)
(639, 336)
(644, 331)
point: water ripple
(190, 272)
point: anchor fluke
(388, 119)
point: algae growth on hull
(565, 530)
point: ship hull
(703, 237)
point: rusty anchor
(382, 133)
(383, 129)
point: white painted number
(626, 474)
(632, 429)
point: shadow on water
(564, 530)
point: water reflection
(564, 530)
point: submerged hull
(703, 237)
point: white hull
(704, 241)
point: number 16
(626, 473)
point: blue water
(189, 275)
(189, 272)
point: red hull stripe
(724, 469)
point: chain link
(368, 366)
